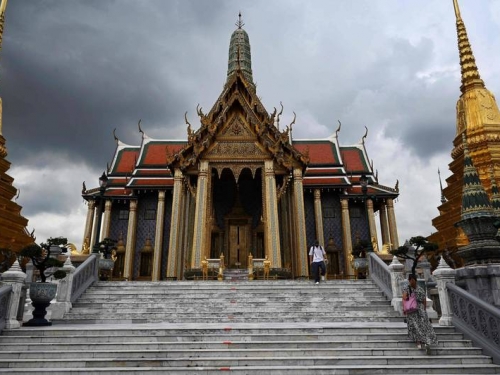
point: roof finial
(457, 10)
(240, 23)
(470, 73)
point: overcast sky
(72, 71)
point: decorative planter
(360, 263)
(41, 294)
(106, 268)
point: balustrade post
(443, 275)
(250, 267)
(14, 277)
(397, 270)
(426, 268)
(63, 298)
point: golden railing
(210, 264)
(256, 264)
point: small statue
(374, 244)
(386, 248)
(204, 268)
(267, 266)
(85, 247)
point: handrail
(5, 293)
(85, 275)
(476, 319)
(380, 274)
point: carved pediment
(236, 150)
(236, 129)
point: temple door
(238, 245)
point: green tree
(422, 246)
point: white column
(397, 271)
(384, 228)
(443, 275)
(128, 272)
(87, 233)
(175, 225)
(318, 216)
(160, 222)
(393, 229)
(106, 220)
(346, 235)
(371, 221)
(300, 223)
(14, 277)
(200, 217)
(272, 234)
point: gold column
(200, 216)
(175, 225)
(346, 235)
(160, 221)
(393, 230)
(271, 225)
(371, 221)
(106, 220)
(87, 233)
(130, 248)
(384, 228)
(300, 222)
(318, 215)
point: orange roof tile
(125, 160)
(320, 152)
(155, 153)
(353, 159)
(325, 181)
(152, 182)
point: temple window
(123, 215)
(150, 214)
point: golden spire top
(470, 73)
(457, 9)
(3, 5)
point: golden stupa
(13, 232)
(478, 118)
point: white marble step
(247, 327)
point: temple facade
(238, 185)
(478, 118)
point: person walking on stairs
(419, 327)
(317, 257)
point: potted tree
(41, 293)
(422, 246)
(359, 260)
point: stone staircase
(246, 327)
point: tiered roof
(239, 118)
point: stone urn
(106, 268)
(41, 294)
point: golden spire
(470, 74)
(3, 5)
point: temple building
(13, 233)
(478, 118)
(239, 185)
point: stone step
(414, 369)
(246, 327)
(231, 352)
(228, 361)
(227, 349)
(292, 308)
(444, 346)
